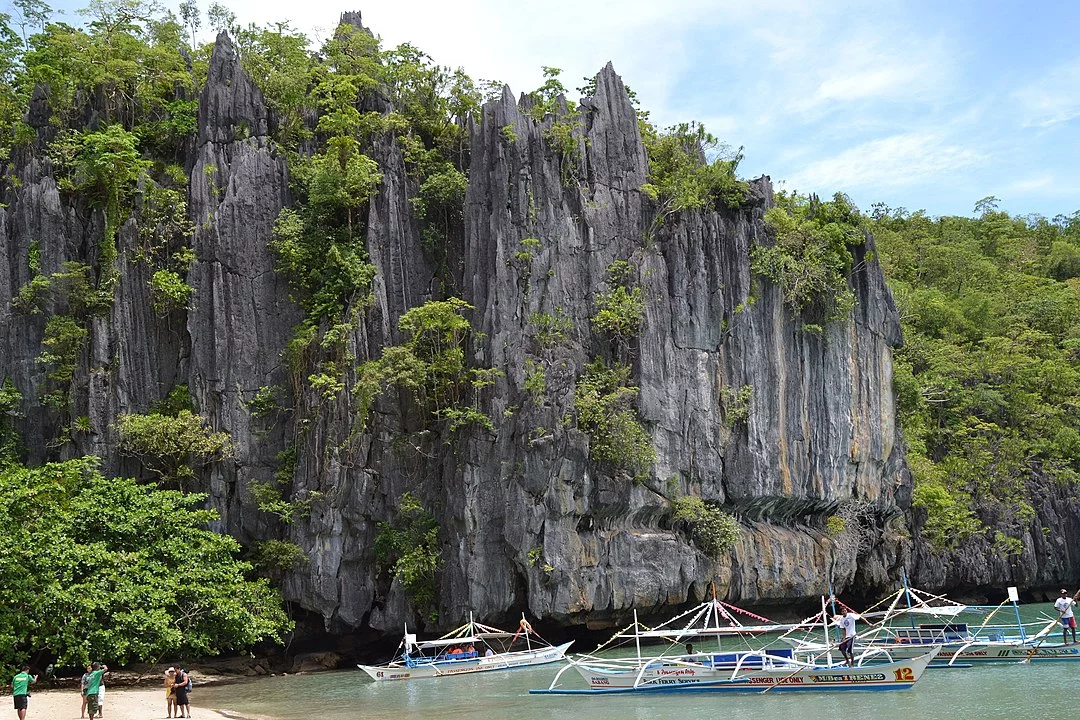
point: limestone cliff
(527, 521)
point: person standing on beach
(101, 700)
(82, 691)
(93, 685)
(21, 690)
(170, 695)
(180, 684)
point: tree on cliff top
(104, 567)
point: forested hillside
(424, 348)
(988, 380)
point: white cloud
(1052, 99)
(1031, 184)
(899, 160)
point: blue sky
(923, 105)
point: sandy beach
(122, 703)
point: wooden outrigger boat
(744, 671)
(473, 647)
(961, 643)
(740, 671)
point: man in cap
(1064, 605)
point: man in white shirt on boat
(847, 622)
(1064, 605)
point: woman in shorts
(82, 691)
(170, 695)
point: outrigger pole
(637, 636)
(832, 599)
(907, 594)
(825, 629)
(716, 615)
(1015, 597)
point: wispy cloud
(1030, 184)
(1053, 99)
(899, 160)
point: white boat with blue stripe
(471, 648)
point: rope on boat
(744, 612)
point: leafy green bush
(71, 288)
(689, 169)
(275, 557)
(269, 498)
(810, 259)
(737, 404)
(621, 309)
(604, 406)
(551, 329)
(63, 341)
(104, 567)
(10, 408)
(714, 531)
(431, 365)
(408, 546)
(168, 292)
(267, 401)
(949, 516)
(178, 400)
(535, 380)
(172, 446)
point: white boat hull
(676, 676)
(958, 653)
(499, 661)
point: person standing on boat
(1064, 605)
(847, 622)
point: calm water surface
(1048, 690)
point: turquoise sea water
(1036, 690)
(1012, 691)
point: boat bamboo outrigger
(473, 647)
(902, 631)
(750, 670)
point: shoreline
(121, 703)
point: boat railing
(769, 662)
(871, 651)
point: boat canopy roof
(713, 631)
(442, 642)
(933, 611)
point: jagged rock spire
(231, 107)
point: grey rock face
(820, 430)
(241, 316)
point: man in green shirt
(93, 684)
(21, 690)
